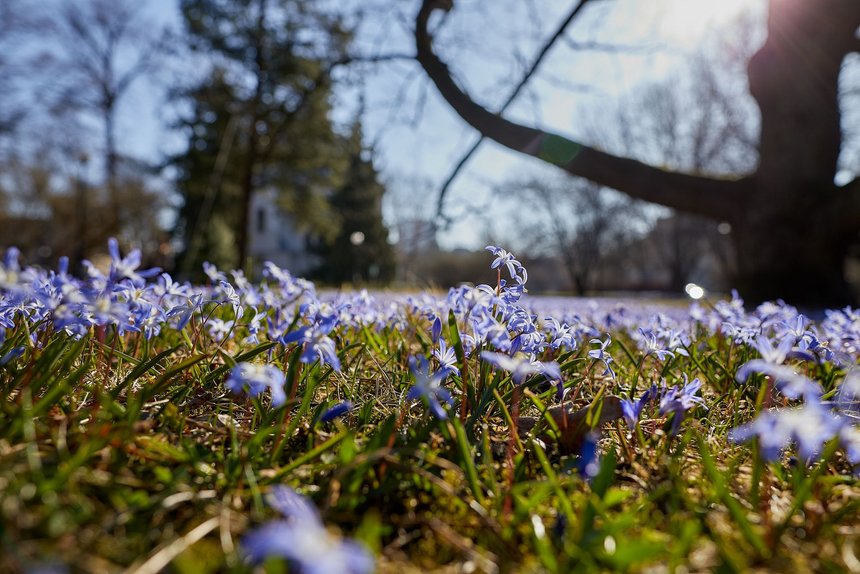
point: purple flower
(522, 367)
(651, 346)
(588, 464)
(559, 335)
(317, 345)
(427, 387)
(126, 267)
(769, 353)
(600, 354)
(336, 411)
(436, 329)
(632, 410)
(787, 380)
(292, 504)
(10, 269)
(302, 539)
(678, 401)
(515, 268)
(447, 359)
(11, 355)
(810, 426)
(257, 378)
(848, 397)
(185, 311)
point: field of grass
(147, 426)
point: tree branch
(714, 198)
(559, 33)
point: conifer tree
(260, 120)
(360, 252)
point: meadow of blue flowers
(148, 423)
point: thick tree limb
(440, 201)
(714, 198)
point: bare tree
(793, 226)
(102, 48)
(578, 221)
(694, 121)
(10, 111)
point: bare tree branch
(559, 33)
(715, 198)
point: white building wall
(273, 236)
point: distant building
(274, 236)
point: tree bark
(251, 159)
(792, 225)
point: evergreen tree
(260, 120)
(360, 252)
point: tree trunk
(243, 238)
(787, 246)
(792, 226)
(114, 226)
(793, 256)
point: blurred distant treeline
(250, 107)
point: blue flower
(769, 353)
(427, 387)
(678, 401)
(600, 354)
(257, 378)
(336, 411)
(848, 397)
(10, 269)
(436, 329)
(810, 426)
(522, 367)
(317, 345)
(515, 269)
(11, 355)
(651, 346)
(302, 539)
(632, 410)
(787, 380)
(126, 267)
(588, 463)
(447, 359)
(184, 311)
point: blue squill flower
(255, 379)
(588, 463)
(428, 387)
(652, 347)
(632, 410)
(126, 267)
(810, 426)
(517, 272)
(10, 269)
(436, 329)
(337, 411)
(316, 345)
(522, 367)
(600, 354)
(302, 539)
(11, 355)
(677, 401)
(447, 359)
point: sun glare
(687, 20)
